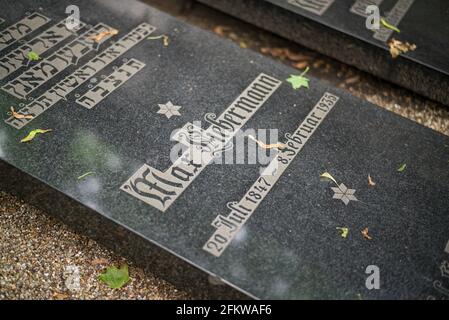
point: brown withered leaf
(352, 80)
(371, 182)
(17, 115)
(243, 45)
(98, 37)
(99, 261)
(366, 234)
(165, 39)
(295, 56)
(274, 52)
(300, 65)
(267, 146)
(398, 47)
(221, 30)
(60, 296)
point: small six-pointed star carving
(169, 109)
(344, 194)
(444, 268)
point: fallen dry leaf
(99, 261)
(397, 47)
(327, 175)
(60, 296)
(221, 30)
(300, 65)
(371, 182)
(17, 115)
(352, 80)
(165, 39)
(365, 234)
(267, 146)
(318, 64)
(98, 37)
(295, 56)
(284, 53)
(275, 52)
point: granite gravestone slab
(143, 108)
(337, 29)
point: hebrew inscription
(21, 29)
(315, 6)
(95, 95)
(70, 54)
(70, 83)
(45, 41)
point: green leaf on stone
(389, 26)
(115, 278)
(300, 81)
(402, 167)
(33, 56)
(33, 134)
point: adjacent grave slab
(124, 107)
(337, 29)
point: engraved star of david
(444, 268)
(169, 109)
(344, 194)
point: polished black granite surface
(114, 103)
(337, 29)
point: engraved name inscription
(40, 44)
(70, 83)
(315, 6)
(227, 226)
(95, 95)
(161, 189)
(68, 55)
(359, 7)
(21, 29)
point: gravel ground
(35, 249)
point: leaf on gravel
(99, 261)
(300, 65)
(352, 80)
(284, 53)
(33, 134)
(115, 278)
(402, 167)
(221, 30)
(60, 296)
(85, 175)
